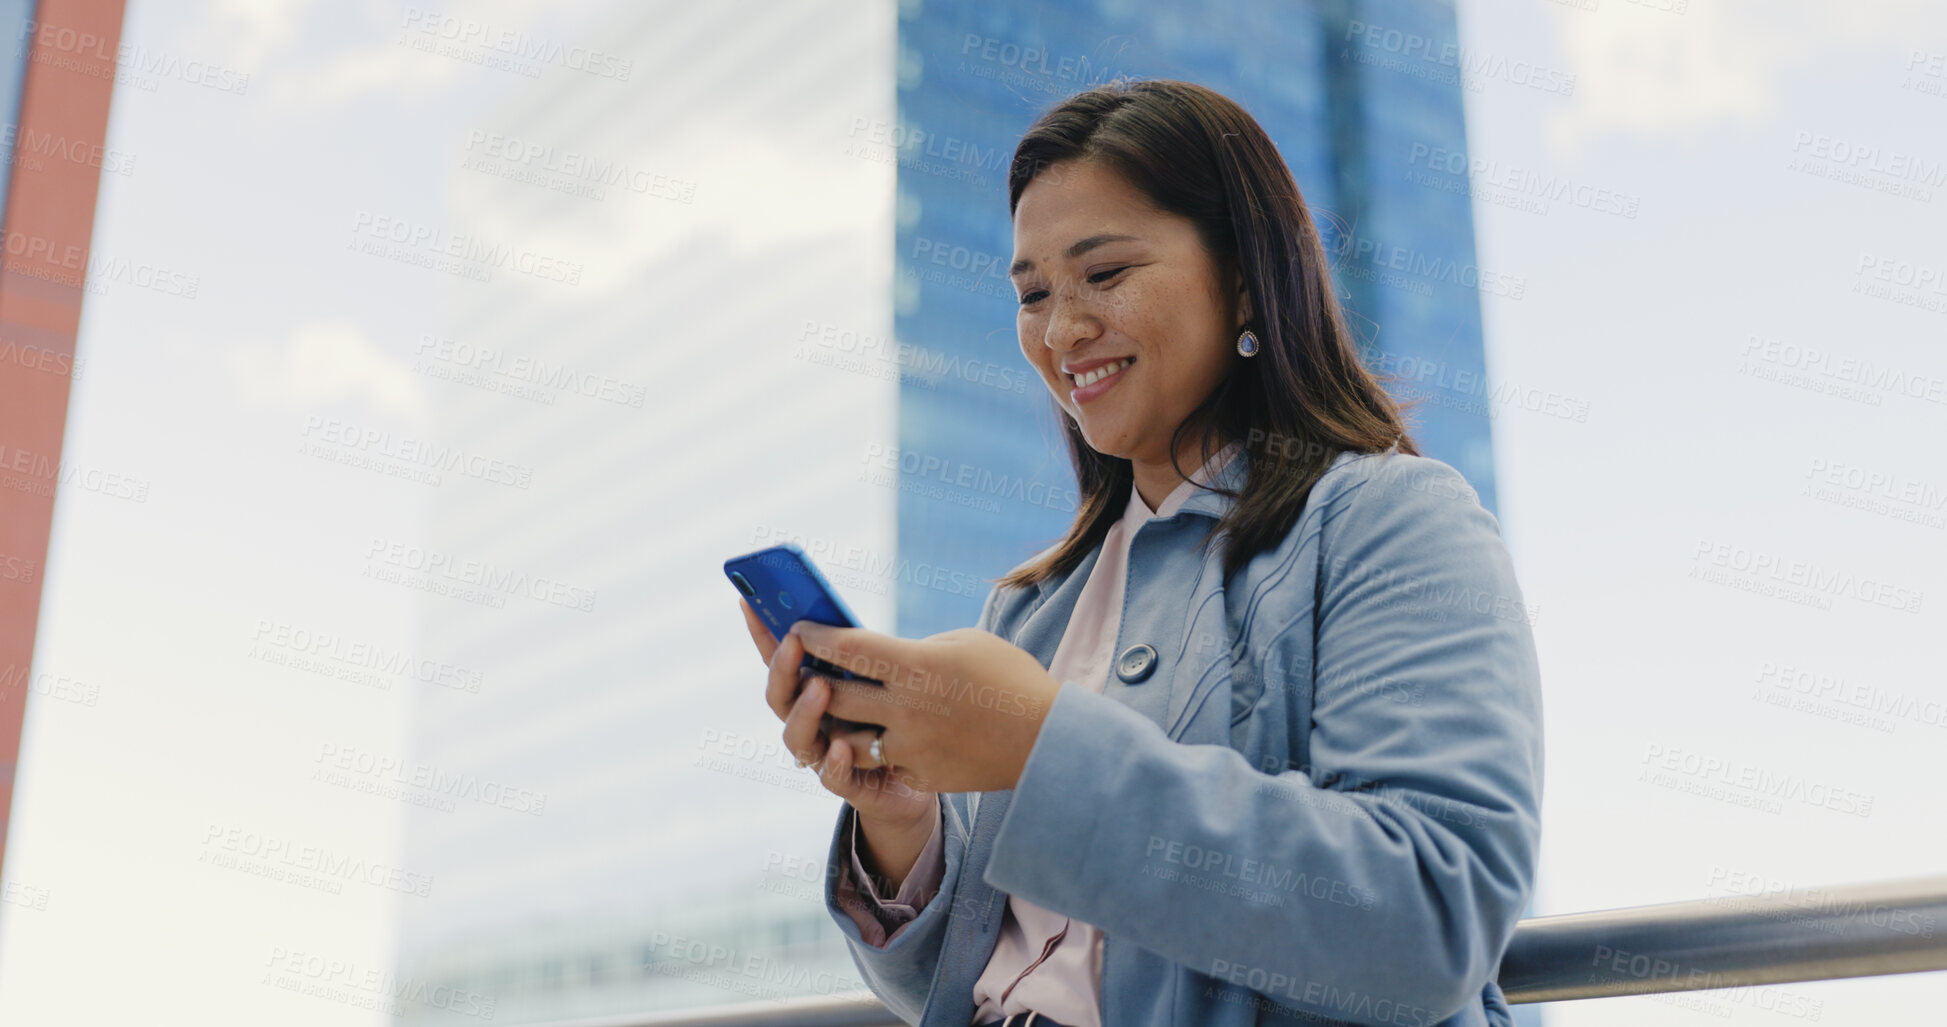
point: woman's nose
(1069, 325)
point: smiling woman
(1260, 743)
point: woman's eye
(1097, 278)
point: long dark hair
(1306, 396)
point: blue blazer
(1317, 801)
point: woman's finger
(781, 689)
(837, 771)
(860, 741)
(863, 652)
(759, 633)
(801, 735)
(867, 703)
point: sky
(1727, 214)
(1757, 417)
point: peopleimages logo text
(972, 477)
(479, 573)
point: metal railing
(1859, 930)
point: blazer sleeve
(1395, 866)
(900, 970)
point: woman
(1260, 743)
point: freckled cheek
(1141, 318)
(1155, 338)
(1038, 355)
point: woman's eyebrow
(1081, 246)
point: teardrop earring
(1247, 344)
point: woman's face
(1105, 278)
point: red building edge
(69, 50)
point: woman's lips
(1084, 393)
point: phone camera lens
(743, 584)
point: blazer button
(1136, 663)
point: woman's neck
(1154, 481)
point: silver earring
(1247, 344)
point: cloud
(328, 364)
(248, 33)
(386, 68)
(377, 62)
(1646, 72)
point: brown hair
(1306, 396)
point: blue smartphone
(783, 586)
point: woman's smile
(1096, 377)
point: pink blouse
(1043, 962)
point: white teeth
(1088, 378)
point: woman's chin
(1104, 442)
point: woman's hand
(961, 709)
(881, 795)
(861, 734)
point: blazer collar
(1203, 501)
(1233, 475)
(1208, 502)
(1211, 503)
